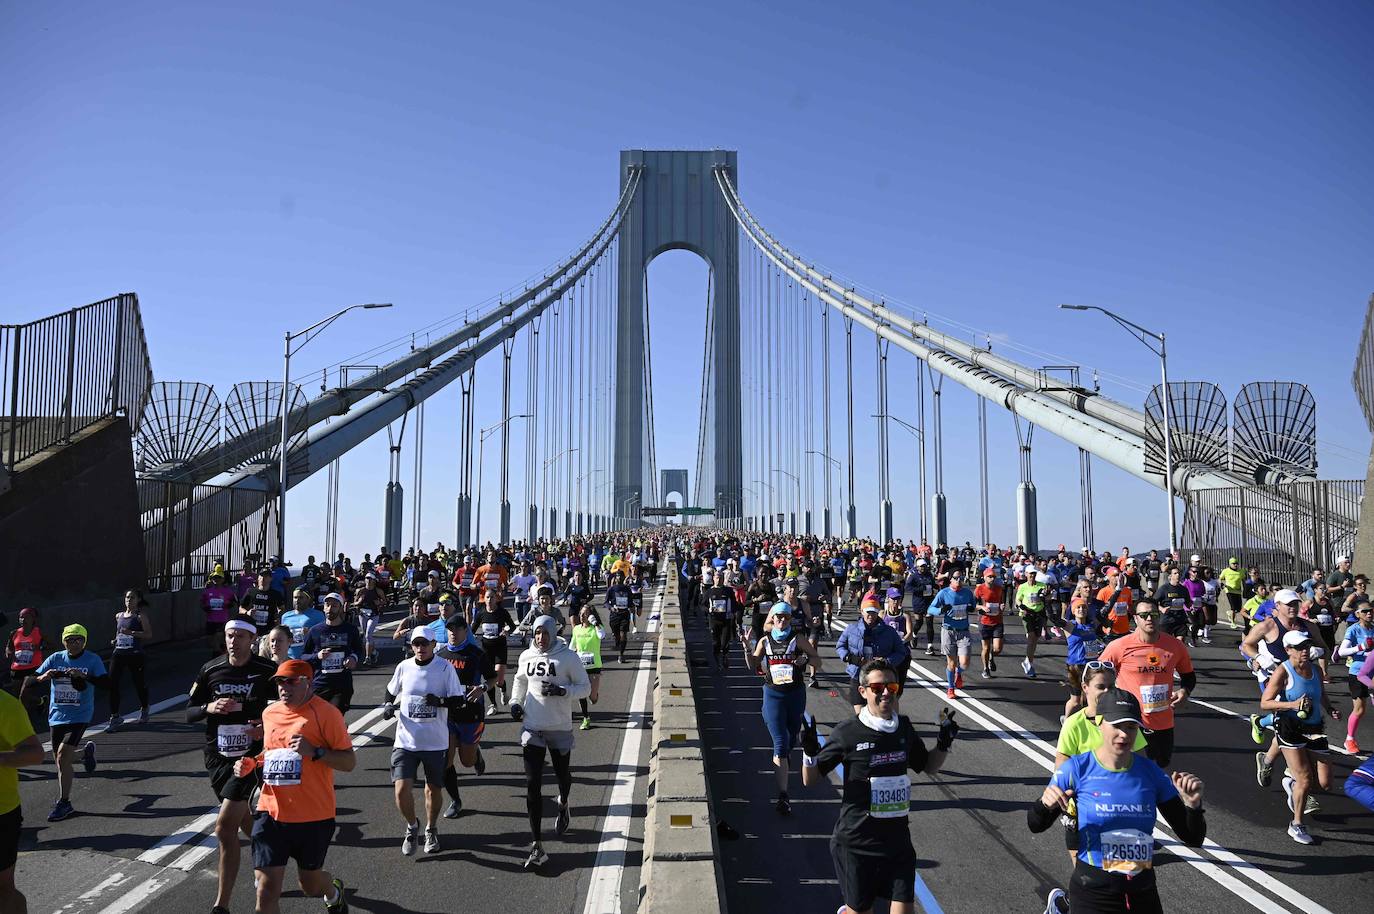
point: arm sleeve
(1188, 681)
(831, 756)
(1040, 817)
(310, 650)
(1189, 824)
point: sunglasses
(1150, 615)
(1100, 665)
(879, 687)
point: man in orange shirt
(1115, 598)
(305, 741)
(991, 605)
(1145, 662)
(491, 576)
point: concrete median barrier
(679, 874)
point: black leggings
(133, 664)
(534, 780)
(722, 633)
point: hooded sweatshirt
(561, 666)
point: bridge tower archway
(678, 205)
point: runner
(1079, 732)
(1145, 662)
(549, 676)
(721, 611)
(952, 604)
(276, 647)
(867, 639)
(1355, 647)
(777, 656)
(305, 741)
(19, 748)
(1114, 796)
(466, 722)
(301, 619)
(24, 650)
(492, 624)
(1295, 696)
(1233, 586)
(424, 691)
(871, 844)
(1263, 650)
(132, 629)
(992, 630)
(262, 604)
(229, 695)
(70, 674)
(333, 647)
(1030, 604)
(217, 601)
(921, 584)
(1085, 637)
(587, 636)
(899, 622)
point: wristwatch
(318, 753)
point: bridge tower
(679, 205)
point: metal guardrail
(1283, 530)
(172, 513)
(63, 373)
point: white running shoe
(431, 841)
(1057, 902)
(1299, 834)
(408, 842)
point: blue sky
(249, 168)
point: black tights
(133, 664)
(534, 779)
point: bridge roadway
(142, 839)
(968, 824)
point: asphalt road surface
(968, 824)
(142, 839)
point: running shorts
(559, 740)
(1294, 734)
(1159, 746)
(1358, 690)
(994, 632)
(954, 642)
(406, 764)
(68, 733)
(494, 651)
(223, 782)
(864, 878)
(11, 824)
(275, 844)
(467, 734)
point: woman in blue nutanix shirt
(1114, 795)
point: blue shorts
(782, 713)
(277, 843)
(1361, 790)
(467, 734)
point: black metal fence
(63, 373)
(1284, 530)
(188, 529)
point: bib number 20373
(889, 797)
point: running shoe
(987, 674)
(88, 757)
(115, 723)
(340, 906)
(408, 842)
(62, 809)
(1028, 668)
(143, 716)
(1057, 902)
(1256, 731)
(560, 825)
(586, 723)
(1206, 639)
(815, 683)
(1351, 746)
(1299, 834)
(537, 857)
(480, 766)
(1288, 790)
(784, 805)
(454, 808)
(1311, 805)
(431, 841)
(949, 693)
(1264, 772)
(930, 650)
(959, 680)
(992, 663)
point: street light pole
(1148, 338)
(797, 507)
(308, 334)
(771, 496)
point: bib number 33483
(889, 797)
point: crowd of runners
(283, 645)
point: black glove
(388, 711)
(517, 713)
(79, 683)
(949, 729)
(549, 689)
(810, 739)
(433, 700)
(849, 660)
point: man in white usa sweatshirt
(549, 678)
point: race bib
(433, 609)
(719, 606)
(124, 641)
(298, 636)
(1324, 618)
(889, 797)
(1120, 609)
(493, 581)
(333, 662)
(1035, 599)
(232, 740)
(1176, 602)
(622, 601)
(281, 768)
(1154, 698)
(1092, 649)
(957, 613)
(63, 693)
(491, 629)
(260, 616)
(587, 657)
(1127, 851)
(781, 673)
(994, 609)
(217, 602)
(24, 657)
(416, 709)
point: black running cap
(1117, 706)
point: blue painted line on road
(925, 896)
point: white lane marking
(152, 709)
(1208, 867)
(603, 892)
(138, 895)
(172, 842)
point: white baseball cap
(1296, 639)
(1194, 559)
(1287, 596)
